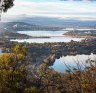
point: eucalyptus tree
(5, 5)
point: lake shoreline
(46, 53)
(80, 36)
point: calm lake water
(43, 33)
(55, 36)
(71, 61)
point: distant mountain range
(42, 23)
(9, 29)
(68, 22)
(22, 26)
(50, 21)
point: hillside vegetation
(14, 77)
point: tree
(5, 5)
(13, 74)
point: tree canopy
(6, 4)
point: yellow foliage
(19, 50)
(7, 59)
(31, 90)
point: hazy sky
(54, 8)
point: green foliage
(20, 52)
(12, 80)
(13, 76)
(12, 73)
(6, 60)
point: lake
(71, 61)
(0, 50)
(55, 36)
(43, 33)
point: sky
(84, 10)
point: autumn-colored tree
(20, 52)
(12, 73)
